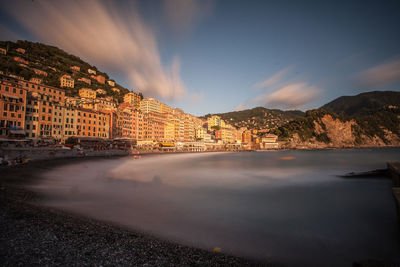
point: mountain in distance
(363, 103)
(259, 117)
(55, 62)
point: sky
(210, 56)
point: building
(100, 79)
(39, 109)
(85, 80)
(269, 141)
(115, 89)
(12, 107)
(36, 80)
(111, 83)
(92, 123)
(40, 72)
(21, 60)
(133, 99)
(66, 81)
(149, 104)
(90, 71)
(87, 93)
(164, 108)
(214, 122)
(75, 68)
(3, 51)
(20, 50)
(101, 91)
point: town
(46, 115)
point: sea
(286, 206)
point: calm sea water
(288, 206)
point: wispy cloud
(291, 96)
(241, 107)
(380, 75)
(196, 98)
(183, 14)
(106, 35)
(274, 79)
(278, 92)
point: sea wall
(43, 153)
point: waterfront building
(66, 81)
(164, 108)
(92, 123)
(149, 104)
(12, 106)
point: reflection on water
(285, 205)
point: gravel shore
(34, 235)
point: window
(20, 92)
(33, 127)
(14, 90)
(7, 89)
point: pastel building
(87, 93)
(66, 81)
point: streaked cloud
(274, 79)
(106, 35)
(291, 96)
(381, 75)
(182, 15)
(241, 107)
(279, 92)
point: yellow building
(149, 104)
(66, 81)
(214, 121)
(87, 93)
(164, 108)
(133, 99)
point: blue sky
(218, 56)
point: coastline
(36, 235)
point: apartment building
(87, 93)
(133, 99)
(12, 106)
(66, 81)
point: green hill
(364, 103)
(259, 117)
(55, 62)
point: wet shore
(35, 235)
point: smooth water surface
(287, 206)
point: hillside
(321, 128)
(364, 103)
(259, 117)
(55, 63)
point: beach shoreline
(36, 235)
